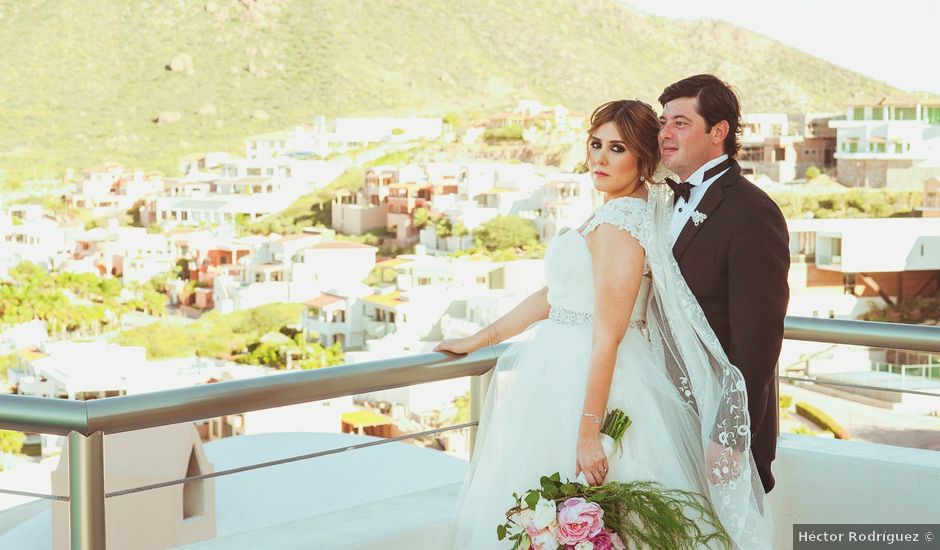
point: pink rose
(605, 540)
(579, 520)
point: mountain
(83, 82)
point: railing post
(86, 491)
(478, 387)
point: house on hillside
(891, 141)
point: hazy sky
(897, 42)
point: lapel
(708, 205)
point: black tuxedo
(736, 263)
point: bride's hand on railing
(460, 345)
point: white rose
(545, 541)
(545, 513)
(584, 545)
(520, 520)
(525, 517)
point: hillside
(82, 82)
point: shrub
(803, 430)
(821, 419)
(512, 132)
(813, 172)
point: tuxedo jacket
(736, 263)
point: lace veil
(712, 388)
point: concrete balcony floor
(402, 496)
(818, 481)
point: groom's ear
(719, 132)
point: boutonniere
(698, 217)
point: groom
(731, 243)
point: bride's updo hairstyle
(637, 125)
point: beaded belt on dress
(564, 316)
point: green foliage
(11, 442)
(821, 419)
(644, 513)
(851, 203)
(6, 363)
(912, 311)
(318, 356)
(313, 209)
(214, 334)
(504, 232)
(513, 132)
(419, 217)
(460, 230)
(314, 57)
(442, 227)
(69, 301)
(462, 406)
(803, 430)
(452, 119)
(304, 356)
(813, 172)
(479, 252)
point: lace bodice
(568, 268)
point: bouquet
(574, 515)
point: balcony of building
(346, 491)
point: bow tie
(684, 189)
(679, 189)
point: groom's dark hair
(717, 101)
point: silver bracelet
(594, 418)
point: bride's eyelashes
(616, 147)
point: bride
(615, 327)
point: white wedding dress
(533, 407)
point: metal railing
(86, 422)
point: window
(879, 147)
(933, 115)
(858, 113)
(194, 492)
(898, 147)
(905, 113)
(877, 113)
(853, 147)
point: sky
(897, 42)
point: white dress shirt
(682, 210)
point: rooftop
(392, 299)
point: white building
(41, 241)
(568, 201)
(244, 189)
(341, 135)
(93, 370)
(110, 187)
(891, 141)
(128, 252)
(292, 269)
(337, 316)
(768, 147)
(841, 267)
